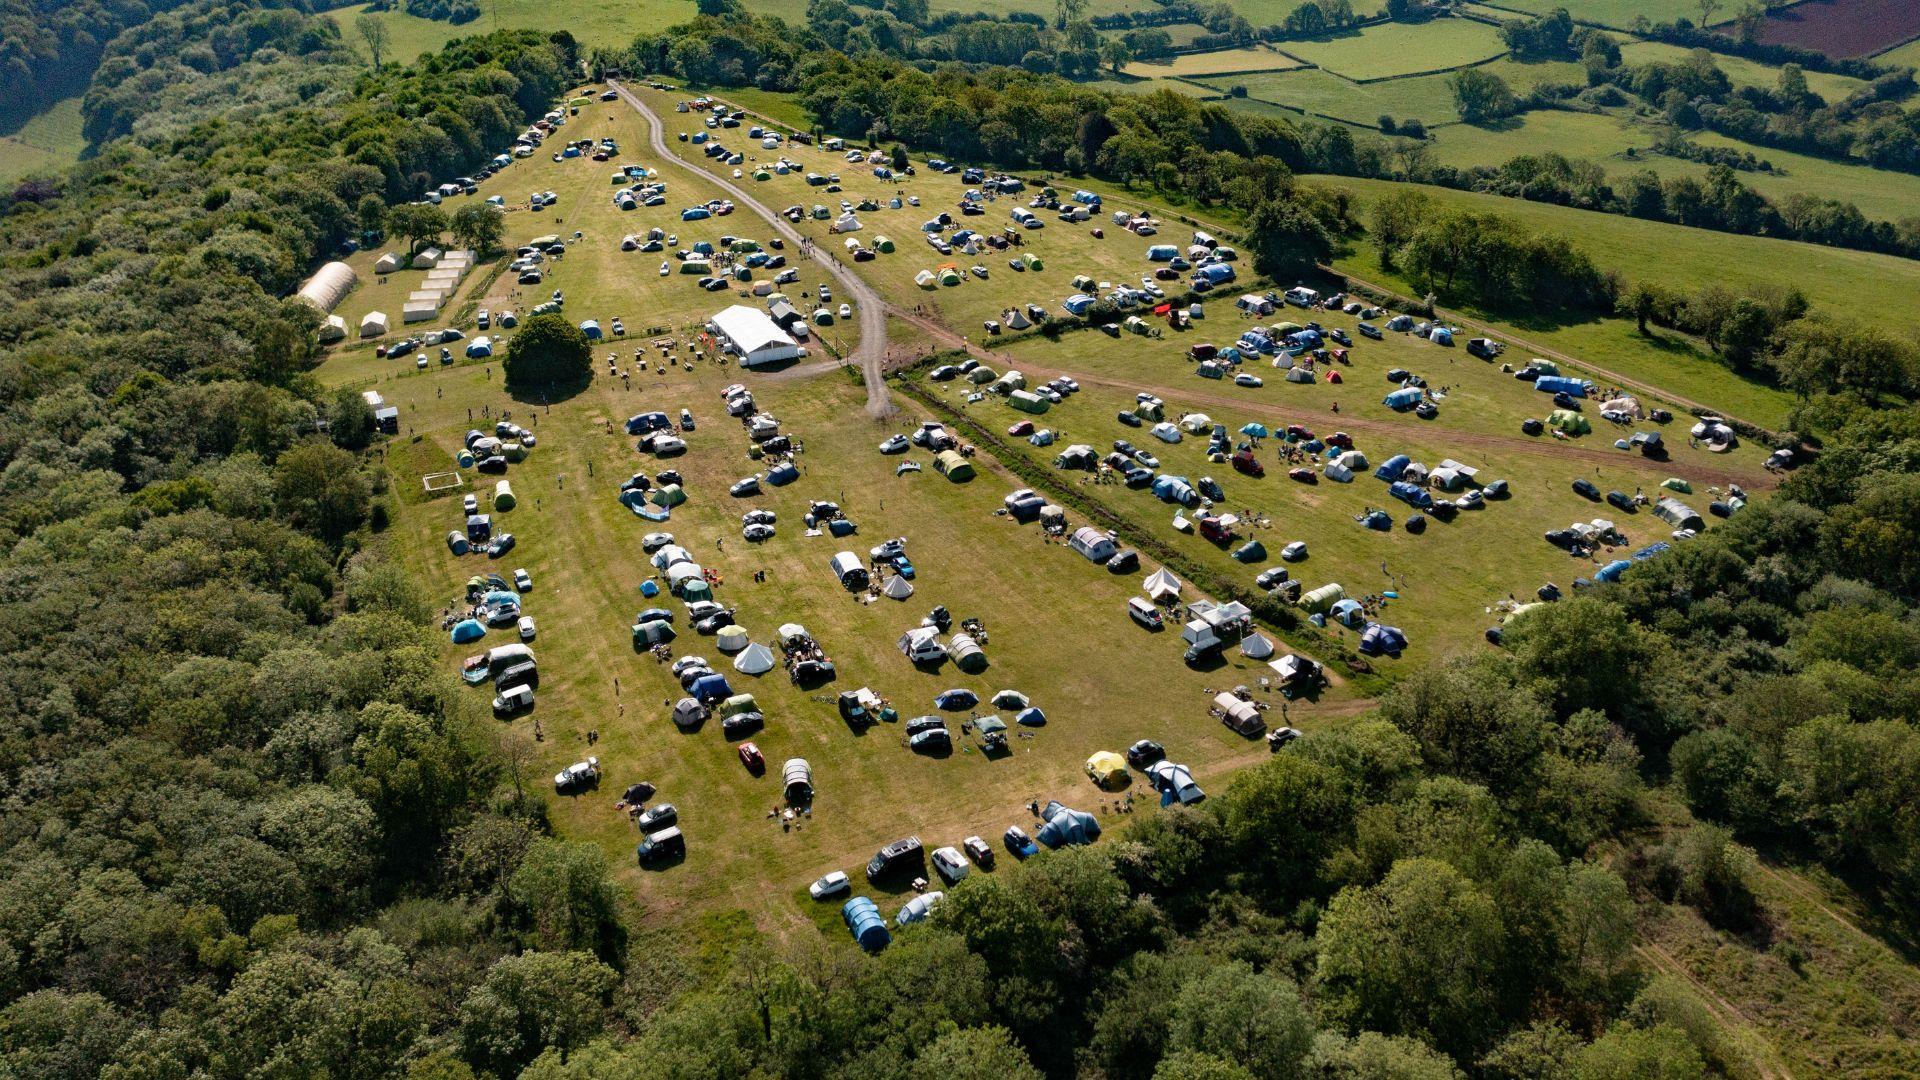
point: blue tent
(1175, 489)
(1379, 520)
(1162, 253)
(863, 919)
(1392, 468)
(1077, 304)
(1304, 339)
(1252, 551)
(468, 630)
(591, 329)
(782, 474)
(1065, 827)
(1612, 571)
(1560, 384)
(955, 700)
(1411, 494)
(710, 688)
(1377, 639)
(1404, 398)
(1031, 716)
(1658, 547)
(1256, 429)
(649, 588)
(1441, 336)
(1215, 274)
(1347, 612)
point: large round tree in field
(548, 352)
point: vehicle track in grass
(870, 354)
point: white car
(579, 775)
(654, 541)
(950, 864)
(527, 630)
(1295, 551)
(523, 580)
(471, 504)
(1244, 379)
(665, 270)
(846, 311)
(832, 885)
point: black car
(1532, 426)
(1124, 561)
(897, 857)
(944, 373)
(658, 818)
(661, 846)
(1585, 488)
(1128, 419)
(1144, 753)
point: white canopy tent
(755, 659)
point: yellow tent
(1107, 768)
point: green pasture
(1740, 71)
(1619, 14)
(1427, 98)
(1851, 284)
(1220, 61)
(1391, 49)
(51, 140)
(1907, 55)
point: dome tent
(731, 639)
(688, 713)
(755, 659)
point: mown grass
(51, 140)
(1193, 65)
(1392, 49)
(1057, 624)
(1428, 98)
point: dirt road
(872, 350)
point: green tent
(953, 466)
(1571, 422)
(1320, 600)
(696, 266)
(949, 277)
(762, 174)
(668, 495)
(882, 245)
(1674, 483)
(696, 590)
(981, 375)
(1033, 261)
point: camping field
(1056, 623)
(1057, 627)
(1394, 49)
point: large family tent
(953, 466)
(864, 921)
(1377, 639)
(1065, 826)
(1162, 586)
(1678, 514)
(468, 630)
(796, 779)
(1568, 421)
(1175, 783)
(1322, 599)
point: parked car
(577, 777)
(523, 580)
(1144, 753)
(979, 850)
(1244, 379)
(1019, 843)
(1128, 419)
(831, 885)
(528, 631)
(897, 857)
(654, 541)
(657, 818)
(1280, 737)
(950, 864)
(1142, 611)
(666, 844)
(751, 757)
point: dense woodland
(249, 830)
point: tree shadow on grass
(550, 393)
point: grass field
(1150, 85)
(1427, 98)
(1619, 14)
(1907, 55)
(1740, 71)
(1193, 65)
(51, 140)
(1392, 49)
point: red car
(1024, 427)
(1304, 475)
(1340, 439)
(751, 758)
(1245, 462)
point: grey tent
(1066, 826)
(1175, 783)
(688, 713)
(797, 780)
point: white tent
(847, 222)
(373, 324)
(1339, 472)
(755, 659)
(754, 335)
(1255, 646)
(731, 639)
(1161, 584)
(898, 588)
(792, 631)
(386, 264)
(1196, 422)
(428, 259)
(332, 330)
(328, 286)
